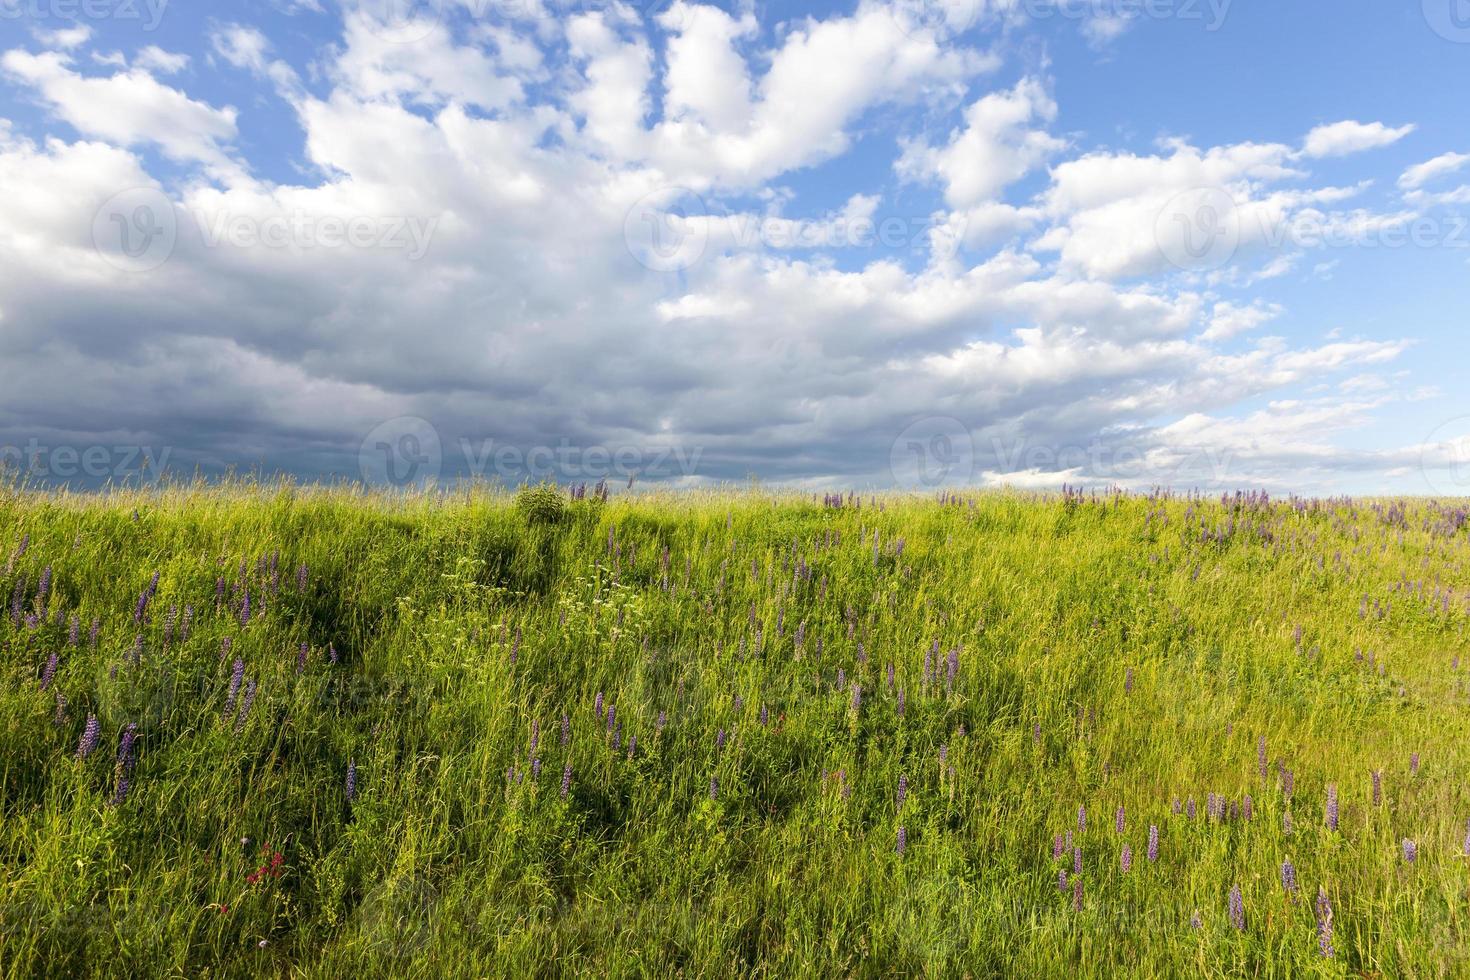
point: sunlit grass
(458, 626)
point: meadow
(281, 730)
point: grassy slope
(442, 865)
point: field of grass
(731, 734)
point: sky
(915, 244)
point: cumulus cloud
(1341, 138)
(457, 241)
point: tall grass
(1112, 651)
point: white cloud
(65, 38)
(155, 59)
(1341, 138)
(1231, 319)
(995, 148)
(1422, 173)
(128, 108)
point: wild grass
(460, 626)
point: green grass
(444, 865)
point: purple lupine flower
(1189, 808)
(126, 760)
(566, 778)
(237, 676)
(857, 696)
(515, 649)
(1324, 922)
(841, 678)
(48, 673)
(301, 656)
(90, 732)
(224, 648)
(1261, 756)
(1237, 907)
(186, 625)
(1118, 821)
(903, 840)
(1411, 851)
(1056, 847)
(612, 714)
(1414, 764)
(43, 590)
(719, 739)
(1153, 843)
(1082, 817)
(714, 788)
(302, 573)
(1377, 787)
(663, 718)
(1248, 807)
(900, 702)
(351, 780)
(597, 705)
(245, 704)
(765, 716)
(1177, 806)
(566, 729)
(632, 745)
(1076, 894)
(92, 635)
(332, 654)
(74, 632)
(1288, 877)
(1194, 922)
(903, 790)
(535, 738)
(536, 768)
(1331, 806)
(1062, 880)
(1076, 860)
(1286, 822)
(1126, 858)
(890, 675)
(1467, 837)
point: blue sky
(914, 244)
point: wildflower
(1237, 908)
(1414, 763)
(1195, 923)
(1062, 880)
(1056, 847)
(1076, 894)
(1189, 808)
(89, 737)
(301, 656)
(1286, 822)
(1248, 807)
(351, 780)
(1153, 843)
(1126, 858)
(74, 632)
(1261, 756)
(1118, 821)
(245, 704)
(1411, 850)
(1324, 922)
(1377, 787)
(903, 840)
(48, 673)
(1082, 817)
(714, 788)
(237, 676)
(1288, 877)
(1076, 860)
(857, 696)
(597, 704)
(903, 789)
(1331, 806)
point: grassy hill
(308, 731)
